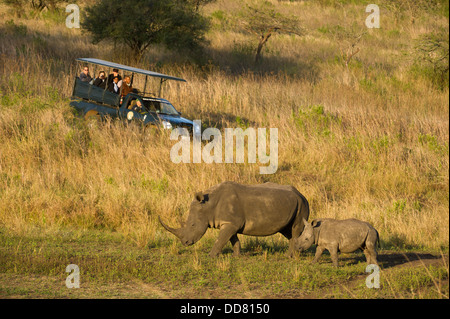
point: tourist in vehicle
(113, 86)
(127, 87)
(113, 75)
(85, 76)
(101, 80)
(136, 105)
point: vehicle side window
(153, 106)
(131, 103)
(165, 108)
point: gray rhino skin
(339, 235)
(256, 210)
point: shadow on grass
(238, 62)
(388, 260)
(395, 259)
(221, 120)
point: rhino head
(307, 238)
(196, 224)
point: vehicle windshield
(160, 107)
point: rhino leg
(236, 244)
(292, 252)
(227, 231)
(293, 233)
(371, 253)
(369, 258)
(334, 255)
(319, 251)
(370, 250)
(287, 232)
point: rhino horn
(176, 232)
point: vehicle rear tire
(92, 115)
(92, 118)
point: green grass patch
(105, 259)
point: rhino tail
(303, 209)
(378, 239)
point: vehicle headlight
(130, 116)
(167, 125)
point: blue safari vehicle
(93, 101)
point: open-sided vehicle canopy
(129, 68)
(90, 92)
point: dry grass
(370, 142)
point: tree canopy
(263, 20)
(141, 23)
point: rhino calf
(339, 236)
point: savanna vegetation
(363, 127)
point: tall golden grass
(370, 142)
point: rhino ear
(316, 223)
(199, 197)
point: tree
(348, 41)
(141, 23)
(264, 20)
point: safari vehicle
(94, 102)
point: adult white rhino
(255, 210)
